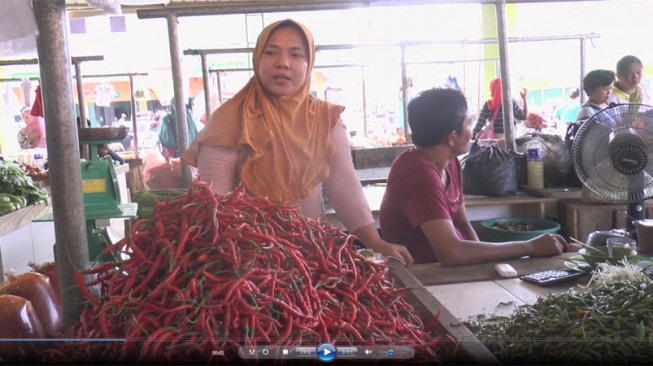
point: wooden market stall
(67, 196)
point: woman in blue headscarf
(168, 132)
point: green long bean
(607, 324)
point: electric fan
(612, 154)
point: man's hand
(547, 244)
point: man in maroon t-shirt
(423, 206)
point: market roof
(81, 8)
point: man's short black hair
(597, 78)
(434, 113)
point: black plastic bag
(521, 161)
(557, 160)
(489, 171)
(572, 178)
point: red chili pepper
(84, 289)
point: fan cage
(592, 149)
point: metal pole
(207, 86)
(582, 71)
(219, 81)
(364, 87)
(180, 99)
(508, 118)
(404, 88)
(270, 6)
(80, 94)
(71, 246)
(133, 105)
(82, 104)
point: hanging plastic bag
(159, 173)
(489, 171)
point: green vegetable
(147, 199)
(18, 186)
(606, 324)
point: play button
(326, 352)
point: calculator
(551, 277)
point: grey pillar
(404, 89)
(63, 153)
(218, 79)
(80, 93)
(583, 97)
(508, 118)
(207, 86)
(180, 99)
(133, 105)
(82, 103)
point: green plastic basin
(499, 235)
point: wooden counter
(17, 219)
(469, 349)
(437, 274)
(364, 158)
(22, 241)
(478, 207)
(474, 291)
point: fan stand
(635, 213)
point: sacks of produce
(19, 321)
(211, 272)
(36, 288)
(159, 173)
(50, 270)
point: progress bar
(63, 339)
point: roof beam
(244, 7)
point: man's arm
(461, 221)
(452, 251)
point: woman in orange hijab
(492, 112)
(283, 143)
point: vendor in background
(490, 120)
(599, 88)
(34, 128)
(285, 144)
(423, 205)
(627, 88)
(569, 111)
(168, 131)
(104, 150)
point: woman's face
(284, 62)
(601, 94)
(25, 115)
(632, 77)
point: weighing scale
(101, 190)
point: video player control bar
(327, 352)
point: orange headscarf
(289, 137)
(495, 89)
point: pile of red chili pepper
(210, 272)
